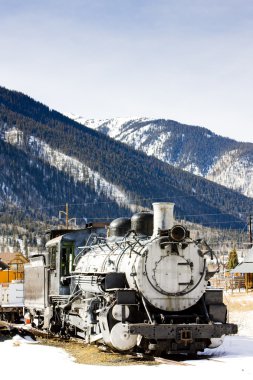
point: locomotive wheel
(121, 339)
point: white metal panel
(12, 294)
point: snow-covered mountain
(48, 160)
(194, 149)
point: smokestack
(163, 216)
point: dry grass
(91, 354)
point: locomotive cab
(48, 275)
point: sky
(186, 60)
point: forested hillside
(30, 180)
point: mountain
(193, 149)
(48, 159)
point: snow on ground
(232, 360)
(245, 322)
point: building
(12, 266)
(246, 268)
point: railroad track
(171, 362)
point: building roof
(12, 258)
(246, 266)
(249, 257)
(243, 268)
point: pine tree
(232, 259)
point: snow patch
(75, 168)
(114, 127)
(79, 171)
(234, 172)
(194, 169)
(14, 136)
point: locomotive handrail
(146, 309)
(86, 247)
(211, 254)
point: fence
(228, 282)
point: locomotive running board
(179, 331)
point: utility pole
(67, 220)
(250, 229)
(67, 216)
(66, 212)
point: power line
(107, 202)
(107, 218)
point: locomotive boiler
(144, 287)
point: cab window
(52, 255)
(67, 256)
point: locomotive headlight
(212, 266)
(178, 233)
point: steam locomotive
(144, 287)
